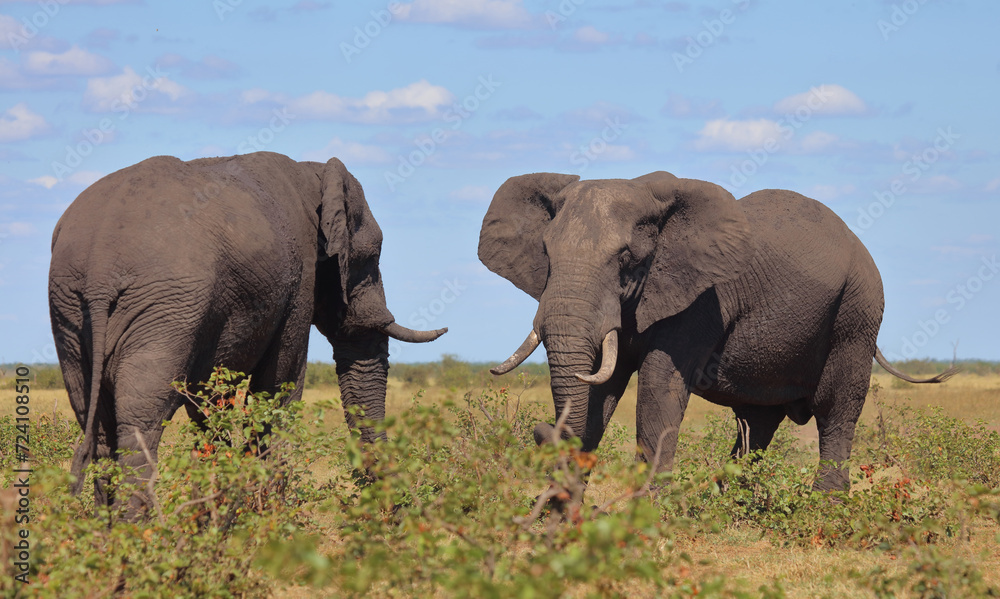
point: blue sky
(885, 111)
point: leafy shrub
(321, 374)
(459, 502)
(215, 514)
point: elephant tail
(944, 376)
(86, 451)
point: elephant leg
(662, 399)
(284, 360)
(134, 442)
(143, 400)
(839, 399)
(756, 426)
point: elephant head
(605, 256)
(350, 307)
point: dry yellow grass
(738, 554)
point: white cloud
(10, 30)
(589, 34)
(418, 101)
(480, 14)
(993, 185)
(46, 181)
(80, 178)
(75, 61)
(350, 152)
(130, 90)
(736, 136)
(18, 123)
(826, 99)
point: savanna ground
(447, 507)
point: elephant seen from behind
(165, 269)
(769, 305)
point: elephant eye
(625, 259)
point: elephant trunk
(568, 356)
(572, 329)
(362, 371)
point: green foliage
(457, 375)
(213, 515)
(49, 442)
(927, 443)
(321, 374)
(449, 510)
(48, 377)
(43, 376)
(459, 502)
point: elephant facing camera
(769, 305)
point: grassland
(734, 550)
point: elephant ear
(350, 234)
(510, 242)
(704, 241)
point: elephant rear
(143, 292)
(814, 280)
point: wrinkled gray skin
(769, 305)
(165, 269)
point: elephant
(769, 305)
(165, 269)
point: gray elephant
(769, 305)
(165, 269)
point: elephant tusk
(530, 344)
(401, 333)
(609, 359)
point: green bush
(458, 502)
(215, 515)
(321, 374)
